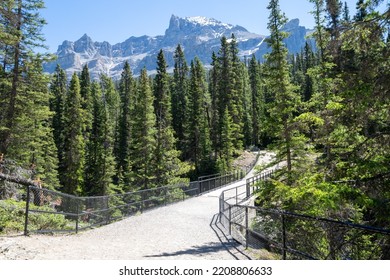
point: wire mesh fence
(69, 213)
(295, 236)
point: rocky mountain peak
(199, 37)
(292, 24)
(84, 44)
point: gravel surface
(185, 230)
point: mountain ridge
(199, 36)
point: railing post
(248, 191)
(77, 217)
(27, 210)
(230, 220)
(107, 211)
(284, 237)
(246, 228)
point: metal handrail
(230, 204)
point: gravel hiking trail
(186, 230)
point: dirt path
(184, 230)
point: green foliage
(199, 145)
(73, 162)
(143, 136)
(12, 218)
(99, 163)
(311, 195)
(180, 100)
(168, 166)
(127, 94)
(286, 100)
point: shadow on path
(224, 244)
(233, 247)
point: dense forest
(325, 112)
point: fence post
(77, 217)
(27, 210)
(284, 237)
(248, 191)
(108, 218)
(246, 228)
(230, 220)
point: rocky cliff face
(199, 36)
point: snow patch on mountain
(199, 37)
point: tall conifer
(99, 163)
(180, 99)
(286, 100)
(73, 161)
(168, 164)
(199, 127)
(143, 136)
(122, 147)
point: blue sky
(116, 20)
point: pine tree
(246, 107)
(58, 88)
(143, 136)
(86, 100)
(122, 147)
(33, 136)
(225, 159)
(286, 100)
(225, 103)
(25, 118)
(199, 127)
(112, 101)
(213, 90)
(21, 33)
(168, 165)
(361, 8)
(180, 99)
(325, 103)
(99, 163)
(237, 95)
(257, 101)
(346, 15)
(73, 161)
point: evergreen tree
(309, 62)
(25, 118)
(122, 147)
(99, 163)
(325, 103)
(112, 101)
(199, 130)
(143, 136)
(246, 107)
(168, 165)
(86, 100)
(180, 99)
(284, 107)
(225, 101)
(215, 100)
(21, 33)
(58, 89)
(361, 8)
(33, 136)
(225, 159)
(257, 101)
(346, 15)
(73, 161)
(237, 95)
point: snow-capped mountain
(198, 36)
